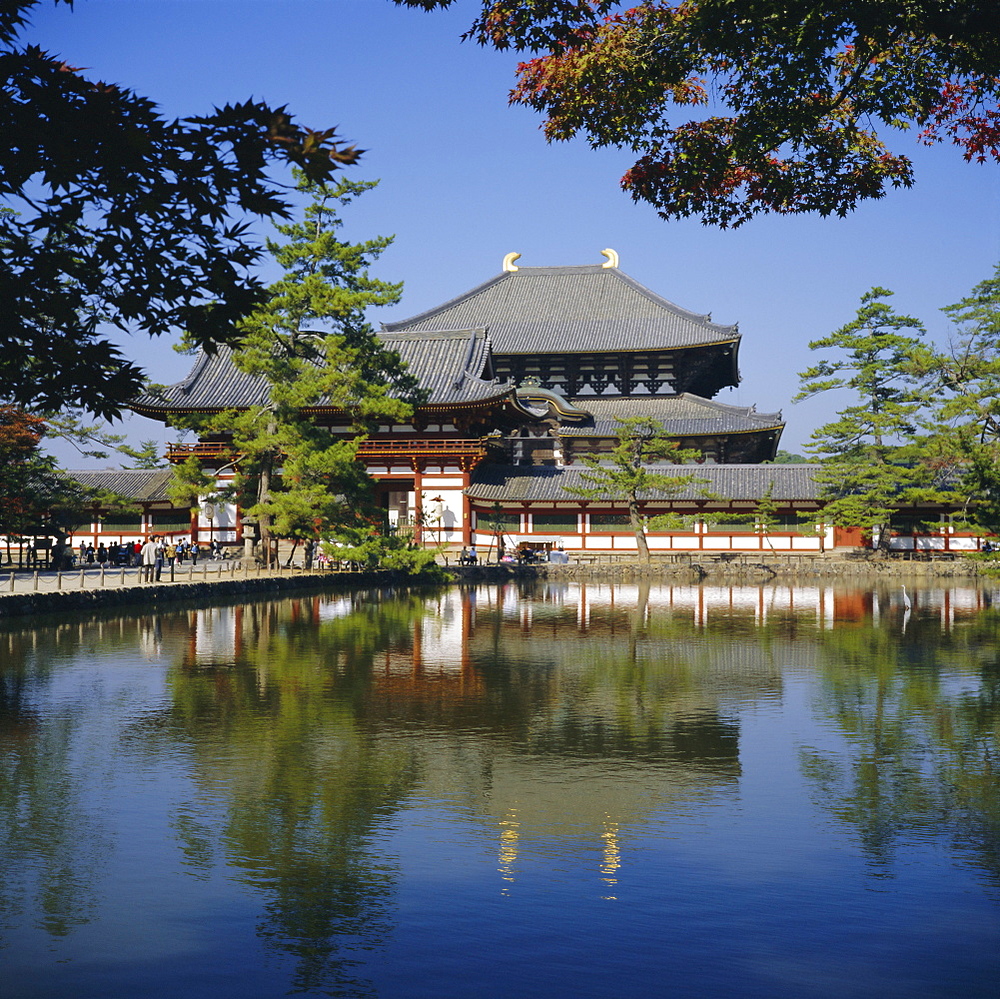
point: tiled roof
(538, 310)
(521, 484)
(453, 368)
(680, 415)
(136, 484)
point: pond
(554, 791)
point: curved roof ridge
(726, 407)
(447, 334)
(397, 327)
(202, 361)
(726, 330)
(705, 317)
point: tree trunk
(264, 519)
(884, 538)
(635, 520)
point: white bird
(906, 598)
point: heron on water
(906, 598)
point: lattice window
(605, 522)
(555, 523)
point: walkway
(93, 577)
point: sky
(465, 179)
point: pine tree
(313, 348)
(147, 455)
(871, 462)
(966, 433)
(623, 474)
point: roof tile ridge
(450, 304)
(442, 334)
(657, 299)
(562, 268)
(750, 412)
(721, 407)
(202, 361)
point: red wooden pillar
(418, 502)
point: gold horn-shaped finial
(612, 258)
(508, 262)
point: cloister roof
(149, 485)
(525, 484)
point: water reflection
(297, 749)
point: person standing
(148, 555)
(161, 547)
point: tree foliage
(624, 475)
(310, 345)
(966, 439)
(36, 498)
(124, 217)
(787, 103)
(872, 461)
(147, 455)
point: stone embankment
(738, 568)
(157, 595)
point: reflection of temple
(583, 712)
(502, 704)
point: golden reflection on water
(508, 848)
(612, 855)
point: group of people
(129, 554)
(522, 554)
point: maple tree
(787, 103)
(117, 215)
(36, 498)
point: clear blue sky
(466, 179)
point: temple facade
(586, 345)
(524, 375)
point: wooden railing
(417, 448)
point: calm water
(559, 791)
